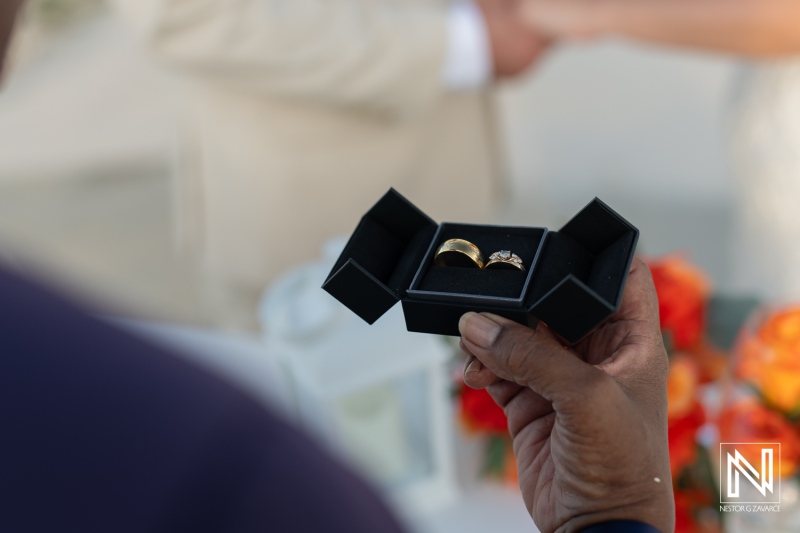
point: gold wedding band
(458, 253)
(505, 260)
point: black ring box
(574, 277)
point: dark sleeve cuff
(621, 526)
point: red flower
(687, 503)
(480, 414)
(682, 382)
(683, 438)
(684, 518)
(683, 292)
(685, 414)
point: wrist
(621, 526)
(575, 19)
(655, 508)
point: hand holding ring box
(574, 278)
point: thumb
(532, 358)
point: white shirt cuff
(468, 61)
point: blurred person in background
(299, 113)
(765, 109)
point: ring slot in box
(574, 278)
(501, 287)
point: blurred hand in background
(762, 132)
(759, 28)
(515, 45)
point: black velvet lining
(409, 259)
(500, 283)
(603, 273)
(389, 242)
(610, 268)
(524, 242)
(373, 247)
(596, 227)
(562, 255)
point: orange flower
(749, 421)
(780, 386)
(480, 414)
(782, 331)
(683, 292)
(711, 361)
(685, 416)
(510, 475)
(682, 384)
(769, 358)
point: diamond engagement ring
(505, 260)
(458, 253)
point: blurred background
(93, 128)
(90, 132)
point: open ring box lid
(574, 277)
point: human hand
(568, 19)
(515, 45)
(589, 423)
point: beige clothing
(302, 113)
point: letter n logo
(748, 472)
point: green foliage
(496, 447)
(56, 13)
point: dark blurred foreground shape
(104, 432)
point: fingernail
(473, 366)
(479, 330)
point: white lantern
(376, 394)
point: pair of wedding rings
(461, 253)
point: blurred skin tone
(8, 14)
(756, 28)
(589, 423)
(515, 46)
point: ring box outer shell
(578, 277)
